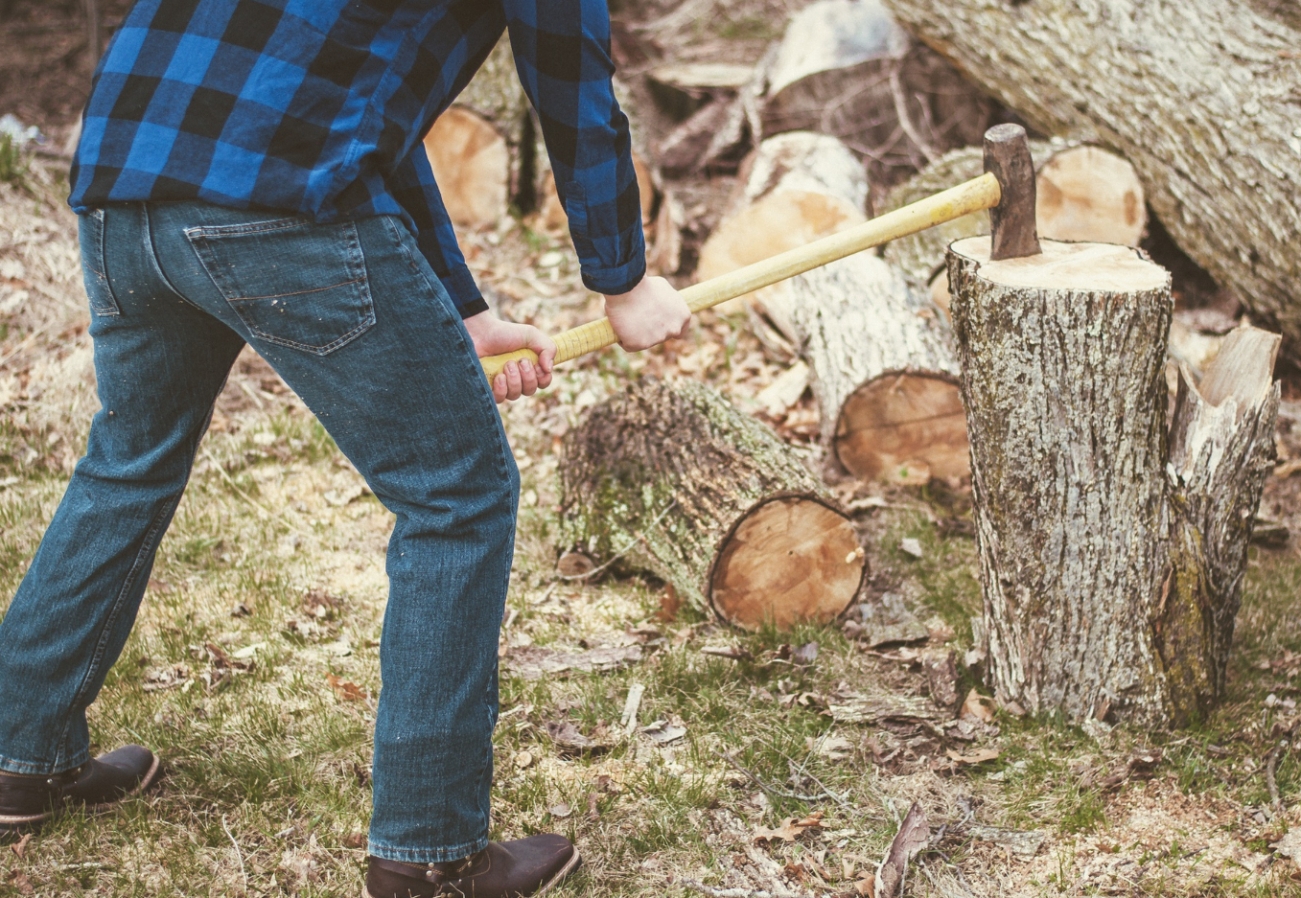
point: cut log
(1083, 193)
(845, 68)
(1221, 451)
(676, 481)
(471, 161)
(1082, 533)
(795, 188)
(885, 374)
(1200, 95)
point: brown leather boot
(26, 801)
(525, 867)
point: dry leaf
(1289, 846)
(980, 756)
(354, 840)
(166, 678)
(1022, 844)
(977, 706)
(534, 662)
(22, 883)
(570, 741)
(790, 830)
(346, 691)
(833, 748)
(560, 811)
(574, 564)
(912, 546)
(20, 847)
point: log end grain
(1088, 194)
(906, 421)
(789, 560)
(471, 163)
(1093, 267)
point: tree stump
(674, 480)
(1094, 560)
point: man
(251, 171)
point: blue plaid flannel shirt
(318, 107)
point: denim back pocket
(93, 269)
(291, 281)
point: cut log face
(795, 188)
(788, 560)
(1111, 571)
(904, 424)
(471, 163)
(707, 498)
(1088, 194)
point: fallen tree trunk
(674, 480)
(1109, 584)
(1199, 95)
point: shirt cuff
(620, 279)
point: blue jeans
(355, 321)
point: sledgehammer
(1007, 189)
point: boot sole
(10, 823)
(575, 861)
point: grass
(269, 769)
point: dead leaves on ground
(346, 691)
(790, 829)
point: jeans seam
(502, 467)
(114, 611)
(157, 265)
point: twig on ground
(734, 893)
(239, 855)
(774, 790)
(622, 552)
(1271, 779)
(230, 481)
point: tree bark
(687, 487)
(1109, 589)
(1200, 95)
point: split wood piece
(844, 67)
(1079, 528)
(1083, 193)
(1221, 451)
(885, 373)
(1200, 96)
(794, 188)
(711, 501)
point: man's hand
(648, 314)
(493, 336)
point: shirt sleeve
(562, 53)
(412, 185)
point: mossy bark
(662, 472)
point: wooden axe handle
(970, 196)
